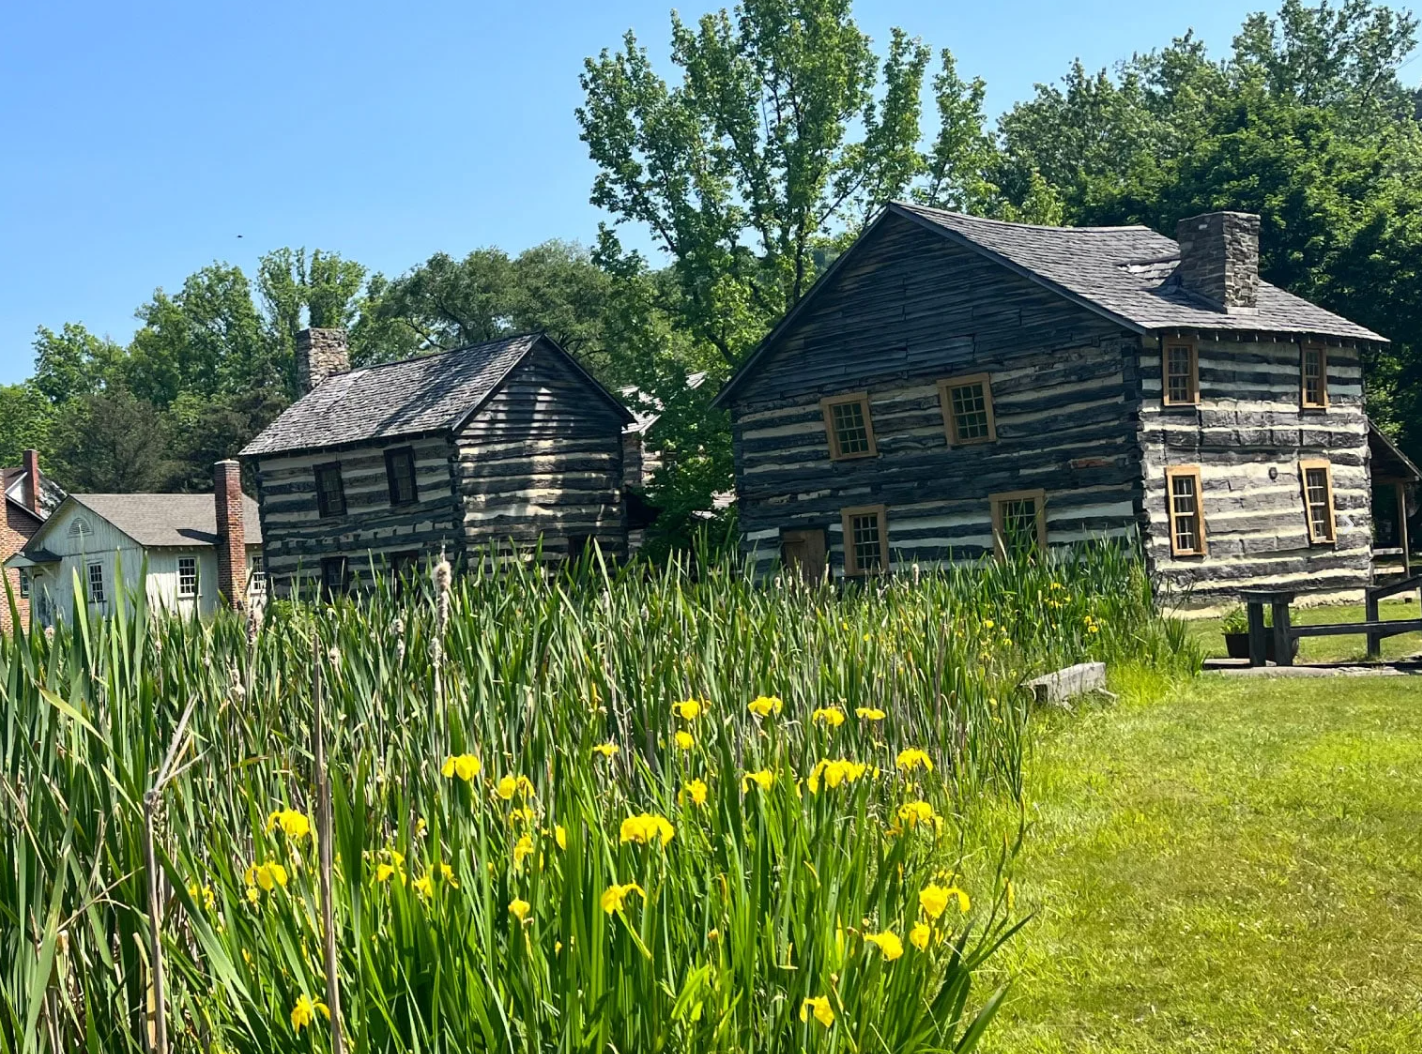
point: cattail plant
(535, 843)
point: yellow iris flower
(688, 709)
(913, 813)
(266, 876)
(819, 1005)
(918, 936)
(204, 894)
(765, 705)
(293, 824)
(830, 715)
(465, 766)
(607, 750)
(519, 908)
(646, 829)
(833, 773)
(696, 791)
(887, 942)
(522, 849)
(614, 896)
(912, 758)
(934, 900)
(685, 740)
(305, 1011)
(869, 713)
(763, 779)
(508, 786)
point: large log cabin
(955, 386)
(499, 446)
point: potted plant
(1236, 634)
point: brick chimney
(320, 353)
(1219, 258)
(231, 533)
(32, 476)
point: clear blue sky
(138, 140)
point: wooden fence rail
(1286, 635)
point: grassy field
(1208, 634)
(1234, 867)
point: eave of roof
(1376, 434)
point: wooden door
(804, 551)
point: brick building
(29, 498)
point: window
(1318, 500)
(187, 576)
(96, 583)
(1182, 373)
(850, 428)
(404, 570)
(1019, 521)
(80, 528)
(330, 491)
(24, 584)
(1314, 381)
(866, 540)
(400, 475)
(333, 575)
(257, 583)
(967, 409)
(1185, 495)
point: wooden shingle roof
(1128, 273)
(431, 394)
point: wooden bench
(1286, 635)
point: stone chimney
(231, 533)
(32, 477)
(320, 353)
(1219, 258)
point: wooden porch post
(1283, 639)
(1257, 645)
(1400, 490)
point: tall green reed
(761, 900)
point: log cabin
(954, 386)
(501, 447)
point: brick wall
(16, 529)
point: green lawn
(1236, 866)
(1328, 649)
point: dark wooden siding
(542, 458)
(911, 309)
(1248, 425)
(296, 538)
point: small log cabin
(954, 386)
(505, 444)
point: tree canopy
(752, 156)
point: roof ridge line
(1027, 226)
(441, 354)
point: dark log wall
(911, 309)
(1248, 425)
(296, 537)
(544, 457)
